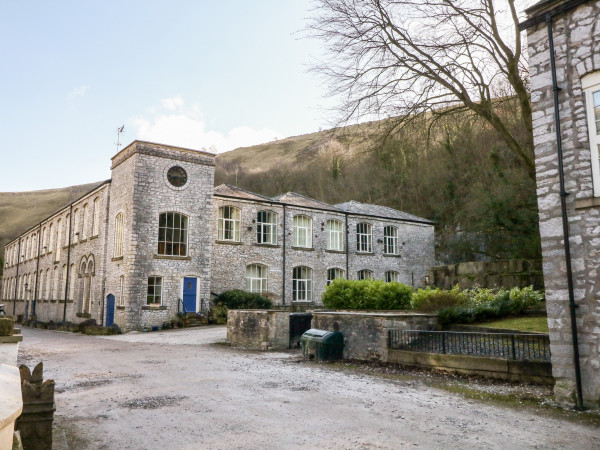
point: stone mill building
(158, 239)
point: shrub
(429, 300)
(219, 313)
(238, 299)
(367, 294)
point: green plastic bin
(322, 345)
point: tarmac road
(180, 390)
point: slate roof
(234, 191)
(378, 210)
(292, 198)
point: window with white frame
(390, 240)
(58, 237)
(228, 224)
(44, 240)
(266, 227)
(591, 88)
(256, 278)
(391, 276)
(118, 249)
(76, 231)
(334, 274)
(51, 237)
(365, 274)
(302, 230)
(121, 301)
(172, 234)
(72, 280)
(84, 221)
(67, 228)
(335, 235)
(96, 217)
(302, 284)
(154, 297)
(364, 237)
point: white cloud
(174, 125)
(77, 92)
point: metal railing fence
(514, 346)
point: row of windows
(52, 235)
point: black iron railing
(531, 347)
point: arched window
(55, 284)
(121, 300)
(364, 237)
(392, 276)
(302, 228)
(76, 233)
(48, 285)
(335, 235)
(302, 284)
(118, 249)
(390, 240)
(96, 217)
(72, 284)
(67, 228)
(365, 274)
(334, 274)
(228, 224)
(44, 240)
(84, 221)
(41, 285)
(256, 278)
(26, 252)
(58, 237)
(51, 234)
(172, 234)
(266, 227)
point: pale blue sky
(189, 73)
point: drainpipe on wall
(17, 278)
(347, 249)
(283, 268)
(68, 262)
(565, 219)
(37, 271)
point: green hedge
(367, 294)
(238, 299)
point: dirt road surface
(180, 389)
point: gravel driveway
(182, 389)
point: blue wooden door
(189, 294)
(110, 310)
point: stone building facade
(158, 239)
(574, 27)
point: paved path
(179, 390)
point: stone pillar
(35, 422)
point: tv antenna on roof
(119, 132)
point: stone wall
(366, 333)
(259, 329)
(576, 36)
(11, 403)
(498, 274)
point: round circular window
(177, 176)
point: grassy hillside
(22, 210)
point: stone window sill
(84, 315)
(590, 202)
(93, 237)
(179, 258)
(117, 258)
(336, 251)
(121, 308)
(229, 242)
(83, 240)
(306, 249)
(267, 245)
(391, 255)
(154, 308)
(365, 253)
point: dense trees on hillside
(457, 171)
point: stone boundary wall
(11, 403)
(260, 329)
(366, 333)
(539, 372)
(497, 274)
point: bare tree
(409, 58)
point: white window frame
(76, 234)
(335, 273)
(228, 223)
(84, 221)
(390, 240)
(155, 284)
(591, 84)
(266, 227)
(365, 274)
(175, 236)
(302, 231)
(364, 237)
(257, 278)
(335, 235)
(392, 276)
(302, 284)
(119, 225)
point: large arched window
(266, 227)
(84, 221)
(119, 222)
(364, 237)
(256, 278)
(96, 217)
(390, 240)
(392, 276)
(365, 274)
(302, 284)
(121, 300)
(228, 224)
(58, 247)
(172, 234)
(302, 228)
(334, 274)
(335, 235)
